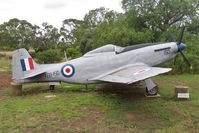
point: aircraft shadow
(126, 92)
(131, 92)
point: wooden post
(16, 89)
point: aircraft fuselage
(82, 69)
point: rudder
(22, 63)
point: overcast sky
(51, 11)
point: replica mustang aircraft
(108, 63)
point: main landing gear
(151, 87)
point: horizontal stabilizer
(34, 73)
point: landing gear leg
(52, 87)
(151, 87)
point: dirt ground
(5, 80)
(6, 53)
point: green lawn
(5, 64)
(73, 110)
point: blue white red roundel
(68, 70)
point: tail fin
(22, 64)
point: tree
(118, 33)
(49, 56)
(158, 15)
(68, 29)
(100, 15)
(73, 52)
(89, 33)
(47, 37)
(86, 42)
(17, 33)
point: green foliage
(5, 64)
(100, 15)
(120, 34)
(117, 32)
(86, 41)
(49, 56)
(159, 15)
(46, 37)
(17, 33)
(191, 52)
(7, 47)
(73, 52)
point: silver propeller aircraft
(109, 63)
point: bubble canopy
(105, 49)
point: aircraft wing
(131, 73)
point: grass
(5, 64)
(74, 110)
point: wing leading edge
(131, 74)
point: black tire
(52, 87)
(153, 91)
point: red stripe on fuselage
(31, 63)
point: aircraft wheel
(52, 87)
(153, 91)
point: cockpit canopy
(109, 48)
(113, 49)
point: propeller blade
(185, 59)
(181, 47)
(181, 35)
(170, 37)
(175, 59)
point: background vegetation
(142, 21)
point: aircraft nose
(181, 46)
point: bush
(49, 56)
(73, 52)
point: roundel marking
(68, 70)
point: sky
(51, 11)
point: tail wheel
(52, 87)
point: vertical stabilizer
(22, 64)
